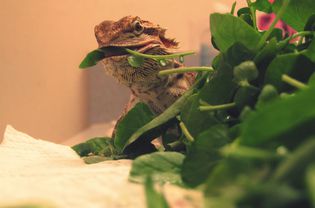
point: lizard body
(146, 86)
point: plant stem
(293, 82)
(216, 107)
(253, 11)
(247, 152)
(233, 8)
(157, 57)
(185, 69)
(176, 145)
(299, 34)
(296, 162)
(185, 131)
(279, 15)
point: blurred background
(43, 92)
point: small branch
(158, 57)
(217, 107)
(279, 15)
(293, 82)
(185, 69)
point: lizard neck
(160, 96)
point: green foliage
(135, 61)
(204, 155)
(234, 31)
(297, 13)
(161, 166)
(310, 181)
(263, 5)
(91, 59)
(101, 146)
(132, 121)
(154, 198)
(292, 115)
(247, 124)
(246, 71)
(195, 120)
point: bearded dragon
(146, 86)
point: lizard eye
(137, 27)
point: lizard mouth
(120, 50)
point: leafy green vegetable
(135, 119)
(245, 96)
(296, 163)
(310, 52)
(135, 61)
(96, 146)
(263, 5)
(167, 115)
(96, 159)
(292, 64)
(234, 31)
(244, 133)
(154, 198)
(267, 95)
(246, 71)
(92, 58)
(195, 120)
(297, 13)
(204, 155)
(161, 166)
(310, 180)
(291, 115)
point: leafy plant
(247, 125)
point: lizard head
(136, 34)
(132, 32)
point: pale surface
(36, 170)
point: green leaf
(221, 87)
(154, 199)
(282, 119)
(163, 167)
(245, 96)
(246, 15)
(266, 54)
(234, 30)
(270, 194)
(96, 146)
(291, 169)
(96, 159)
(137, 117)
(292, 64)
(195, 120)
(204, 155)
(92, 58)
(247, 18)
(310, 52)
(170, 113)
(297, 13)
(135, 61)
(310, 182)
(262, 5)
(310, 24)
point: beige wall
(42, 91)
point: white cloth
(37, 170)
